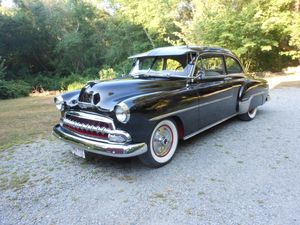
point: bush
(44, 82)
(75, 86)
(65, 82)
(13, 89)
(2, 69)
(107, 74)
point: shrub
(45, 82)
(14, 89)
(90, 72)
(107, 74)
(2, 69)
(71, 79)
(75, 86)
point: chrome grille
(85, 127)
(88, 124)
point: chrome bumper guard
(123, 150)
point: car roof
(181, 50)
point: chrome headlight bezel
(59, 102)
(122, 112)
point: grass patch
(24, 119)
(15, 182)
(127, 178)
(159, 196)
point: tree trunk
(149, 37)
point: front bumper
(123, 150)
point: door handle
(228, 78)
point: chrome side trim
(98, 147)
(207, 127)
(245, 104)
(190, 108)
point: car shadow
(134, 163)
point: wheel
(250, 115)
(162, 145)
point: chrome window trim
(218, 54)
(224, 54)
(236, 60)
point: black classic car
(171, 93)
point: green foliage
(257, 30)
(13, 89)
(75, 86)
(2, 69)
(44, 81)
(62, 44)
(107, 74)
(72, 80)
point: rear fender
(252, 94)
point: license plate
(78, 152)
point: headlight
(122, 112)
(59, 102)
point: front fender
(71, 97)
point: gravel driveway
(236, 173)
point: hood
(107, 94)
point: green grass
(23, 120)
(15, 182)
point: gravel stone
(236, 173)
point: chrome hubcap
(162, 141)
(252, 113)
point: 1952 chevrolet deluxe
(171, 93)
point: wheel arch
(179, 126)
(252, 93)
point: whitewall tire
(163, 144)
(250, 115)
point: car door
(216, 98)
(235, 76)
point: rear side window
(173, 65)
(232, 65)
(213, 66)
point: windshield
(170, 66)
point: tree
(257, 31)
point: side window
(145, 63)
(212, 66)
(155, 64)
(173, 65)
(232, 66)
